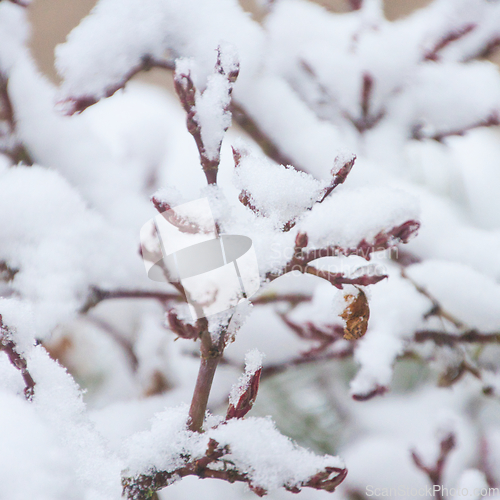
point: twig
(187, 93)
(366, 121)
(452, 36)
(441, 338)
(437, 309)
(270, 149)
(9, 347)
(142, 486)
(97, 295)
(491, 121)
(276, 368)
(435, 473)
(382, 241)
(126, 345)
(77, 105)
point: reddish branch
(9, 347)
(379, 390)
(367, 120)
(305, 359)
(382, 241)
(491, 121)
(441, 338)
(435, 472)
(243, 119)
(452, 36)
(97, 296)
(213, 465)
(77, 105)
(186, 91)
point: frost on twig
(250, 450)
(208, 113)
(8, 345)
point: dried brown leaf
(356, 315)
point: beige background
(52, 20)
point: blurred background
(52, 20)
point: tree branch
(452, 36)
(141, 487)
(435, 473)
(77, 105)
(9, 347)
(97, 295)
(491, 121)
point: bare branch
(367, 120)
(435, 472)
(491, 121)
(77, 105)
(442, 338)
(452, 36)
(97, 295)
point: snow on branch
(250, 450)
(8, 346)
(72, 105)
(208, 113)
(244, 393)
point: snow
(253, 363)
(255, 447)
(71, 222)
